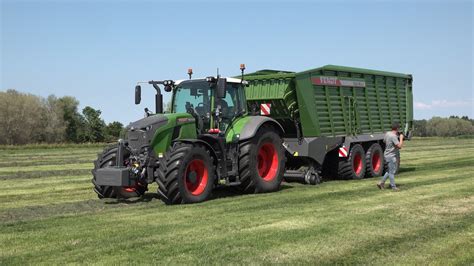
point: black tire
(374, 161)
(174, 179)
(107, 159)
(352, 167)
(260, 146)
(398, 165)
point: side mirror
(168, 88)
(221, 88)
(138, 94)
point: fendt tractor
(256, 130)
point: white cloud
(422, 106)
(443, 104)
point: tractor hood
(147, 121)
(158, 131)
(140, 133)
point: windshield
(197, 95)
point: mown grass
(49, 214)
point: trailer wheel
(353, 167)
(107, 159)
(374, 161)
(262, 162)
(186, 174)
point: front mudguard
(255, 123)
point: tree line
(444, 127)
(27, 118)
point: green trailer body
(333, 101)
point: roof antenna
(217, 73)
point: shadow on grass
(217, 193)
(147, 197)
(406, 169)
(228, 192)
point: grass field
(49, 214)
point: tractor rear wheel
(108, 159)
(186, 174)
(353, 167)
(262, 162)
(374, 161)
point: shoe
(381, 185)
(395, 189)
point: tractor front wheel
(107, 159)
(262, 162)
(186, 174)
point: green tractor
(208, 139)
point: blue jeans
(392, 168)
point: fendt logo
(329, 81)
(335, 81)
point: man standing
(392, 151)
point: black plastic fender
(251, 128)
(207, 145)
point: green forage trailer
(334, 117)
(254, 131)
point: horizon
(98, 60)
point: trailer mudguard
(248, 126)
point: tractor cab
(213, 102)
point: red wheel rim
(267, 162)
(357, 164)
(129, 189)
(196, 176)
(132, 189)
(376, 162)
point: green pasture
(50, 215)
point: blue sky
(98, 50)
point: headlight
(168, 83)
(211, 79)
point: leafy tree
(71, 117)
(420, 128)
(167, 107)
(53, 127)
(113, 130)
(94, 125)
(20, 117)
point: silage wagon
(334, 117)
(254, 131)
